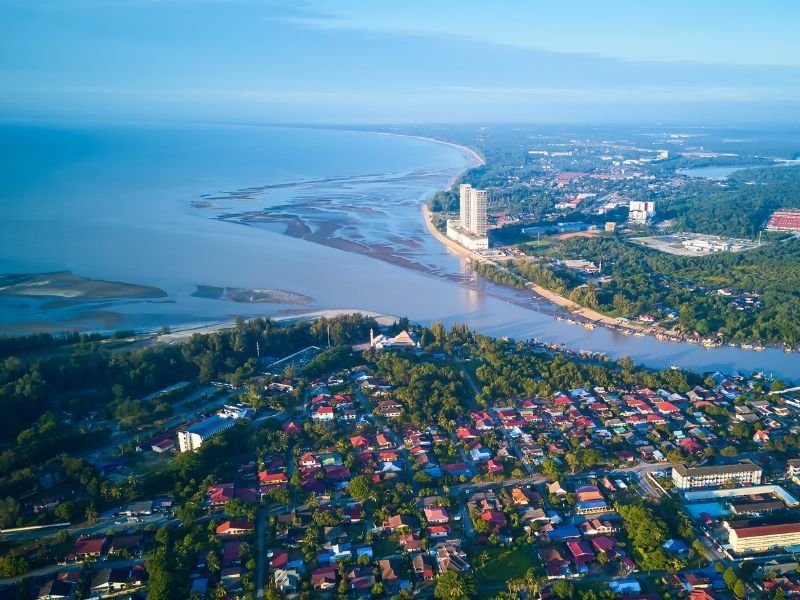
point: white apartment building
(686, 478)
(473, 209)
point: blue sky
(402, 62)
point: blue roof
(584, 504)
(210, 426)
(563, 532)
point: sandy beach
(183, 333)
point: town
(406, 461)
(640, 233)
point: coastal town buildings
(192, 437)
(746, 473)
(641, 211)
(758, 538)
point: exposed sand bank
(64, 284)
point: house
(361, 579)
(437, 531)
(109, 580)
(323, 413)
(125, 544)
(55, 588)
(270, 479)
(436, 514)
(383, 442)
(519, 497)
(324, 578)
(86, 547)
(411, 542)
(235, 528)
(479, 453)
(492, 466)
(286, 580)
(164, 445)
(423, 566)
(760, 437)
(389, 569)
(450, 557)
(231, 553)
(399, 522)
(390, 408)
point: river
(331, 217)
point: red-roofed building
(235, 528)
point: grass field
(504, 563)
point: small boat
(747, 346)
(639, 334)
(675, 367)
(759, 348)
(589, 325)
(788, 349)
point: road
(261, 532)
(641, 471)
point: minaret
(371, 338)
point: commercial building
(747, 538)
(686, 478)
(640, 211)
(193, 437)
(470, 229)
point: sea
(312, 219)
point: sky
(375, 62)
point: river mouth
(302, 221)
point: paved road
(641, 471)
(261, 532)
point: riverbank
(180, 334)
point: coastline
(182, 333)
(562, 302)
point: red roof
(234, 526)
(762, 530)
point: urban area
(345, 458)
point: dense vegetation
(41, 397)
(644, 280)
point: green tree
(454, 586)
(564, 589)
(362, 488)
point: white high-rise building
(473, 209)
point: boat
(589, 325)
(747, 346)
(675, 367)
(788, 349)
(759, 348)
(639, 334)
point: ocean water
(330, 215)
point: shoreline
(182, 333)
